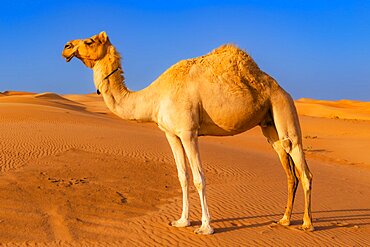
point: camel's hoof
(307, 228)
(205, 230)
(180, 223)
(284, 222)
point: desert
(72, 173)
(184, 123)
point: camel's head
(89, 50)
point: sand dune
(49, 96)
(12, 93)
(343, 109)
(71, 173)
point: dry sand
(73, 174)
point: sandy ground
(73, 174)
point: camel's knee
(282, 145)
(293, 181)
(306, 179)
(294, 148)
(287, 144)
(309, 176)
(199, 184)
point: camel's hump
(226, 61)
(230, 48)
(228, 55)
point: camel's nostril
(67, 46)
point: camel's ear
(103, 37)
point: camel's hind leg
(287, 125)
(272, 136)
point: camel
(222, 93)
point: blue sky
(316, 49)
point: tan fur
(221, 93)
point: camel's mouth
(69, 57)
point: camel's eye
(68, 46)
(89, 41)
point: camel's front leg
(178, 153)
(189, 141)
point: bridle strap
(111, 73)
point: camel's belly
(229, 108)
(225, 120)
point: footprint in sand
(58, 225)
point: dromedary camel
(220, 94)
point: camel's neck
(129, 105)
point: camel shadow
(320, 151)
(308, 150)
(239, 226)
(356, 217)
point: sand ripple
(71, 174)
